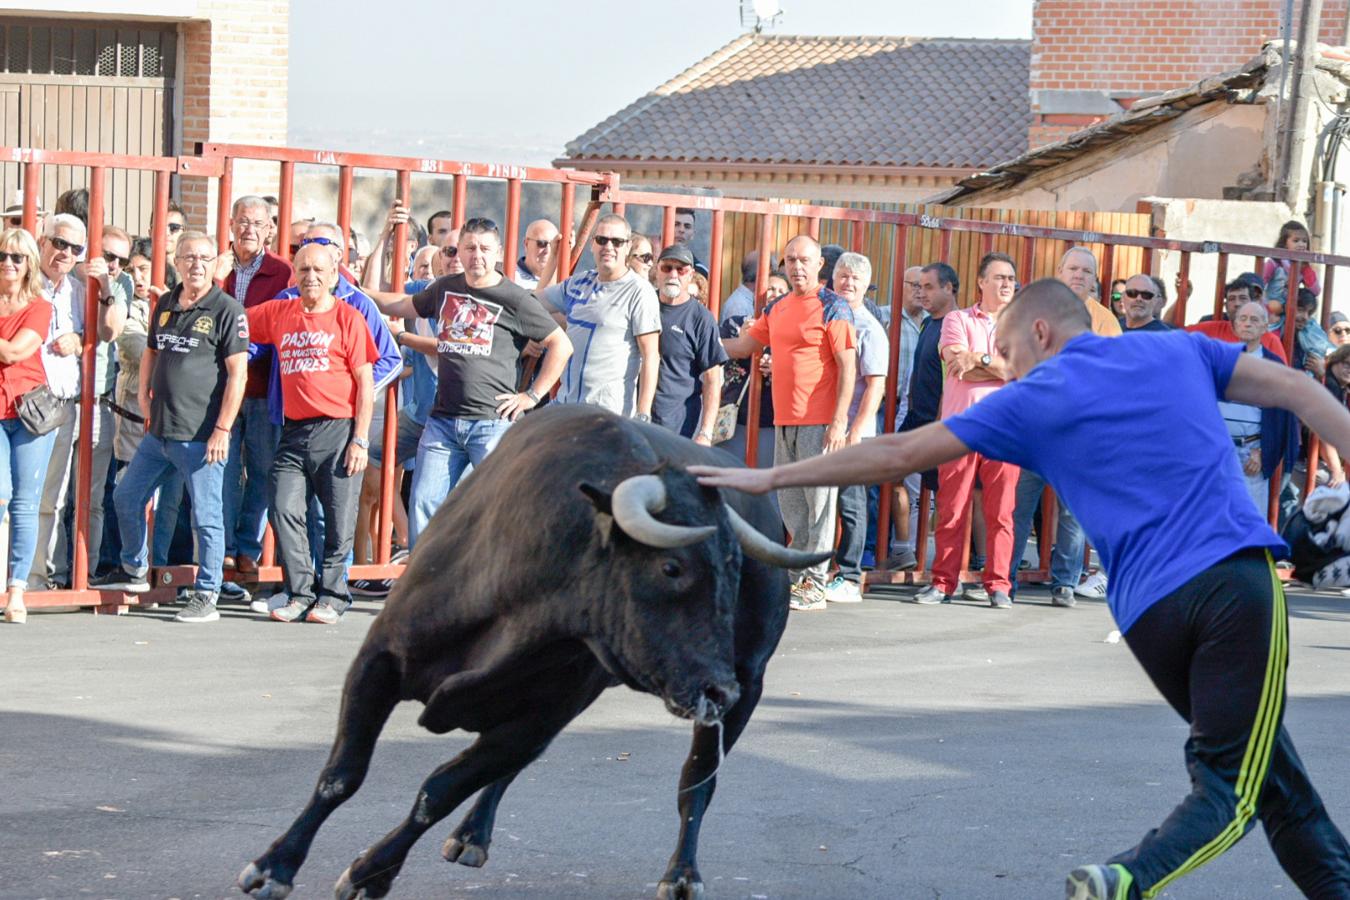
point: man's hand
(835, 435)
(749, 481)
(67, 344)
(143, 401)
(766, 366)
(513, 406)
(224, 265)
(966, 361)
(398, 214)
(1315, 364)
(97, 267)
(357, 459)
(217, 445)
(533, 349)
(854, 437)
(703, 439)
(1252, 464)
(396, 326)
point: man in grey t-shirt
(614, 322)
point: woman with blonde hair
(25, 316)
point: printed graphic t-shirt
(317, 353)
(191, 346)
(479, 335)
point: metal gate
(97, 88)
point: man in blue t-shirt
(1194, 589)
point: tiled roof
(876, 101)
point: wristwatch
(361, 442)
(529, 392)
(108, 300)
(986, 359)
(641, 417)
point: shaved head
(1037, 323)
(801, 263)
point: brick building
(150, 77)
(1091, 59)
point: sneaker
(378, 588)
(231, 592)
(975, 594)
(869, 560)
(1093, 587)
(121, 580)
(1062, 596)
(400, 555)
(263, 606)
(323, 614)
(201, 607)
(1000, 600)
(841, 590)
(931, 596)
(1098, 883)
(900, 561)
(293, 610)
(806, 595)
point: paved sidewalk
(900, 752)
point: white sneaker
(805, 595)
(841, 590)
(263, 606)
(1093, 587)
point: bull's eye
(671, 569)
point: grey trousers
(311, 462)
(808, 513)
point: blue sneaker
(869, 559)
(1113, 882)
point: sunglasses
(63, 244)
(14, 222)
(679, 268)
(601, 240)
(541, 245)
(1343, 329)
(450, 251)
(1134, 295)
(645, 258)
(479, 224)
(175, 227)
(321, 241)
(16, 258)
(123, 261)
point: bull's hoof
(370, 889)
(258, 883)
(683, 889)
(470, 854)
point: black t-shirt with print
(479, 335)
(191, 346)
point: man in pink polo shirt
(973, 372)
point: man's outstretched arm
(888, 458)
(1260, 382)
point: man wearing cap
(690, 352)
(613, 319)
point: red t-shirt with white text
(318, 354)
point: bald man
(810, 332)
(537, 249)
(1194, 587)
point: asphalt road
(900, 751)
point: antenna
(756, 14)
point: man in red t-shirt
(325, 352)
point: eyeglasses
(645, 258)
(192, 259)
(251, 224)
(1341, 329)
(541, 245)
(110, 257)
(450, 251)
(63, 244)
(1134, 295)
(681, 268)
(175, 227)
(16, 258)
(601, 240)
(14, 222)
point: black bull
(546, 578)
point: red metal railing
(217, 161)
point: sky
(513, 82)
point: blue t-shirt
(1173, 501)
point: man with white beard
(690, 352)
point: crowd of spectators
(248, 390)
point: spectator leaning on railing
(25, 317)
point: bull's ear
(604, 517)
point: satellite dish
(766, 9)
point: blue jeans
(23, 472)
(1066, 562)
(153, 465)
(448, 449)
(853, 531)
(253, 444)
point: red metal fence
(1031, 246)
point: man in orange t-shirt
(815, 349)
(325, 354)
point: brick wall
(1133, 48)
(234, 84)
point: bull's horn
(633, 503)
(757, 546)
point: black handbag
(40, 410)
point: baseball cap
(1252, 281)
(679, 253)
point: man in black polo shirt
(691, 352)
(192, 384)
